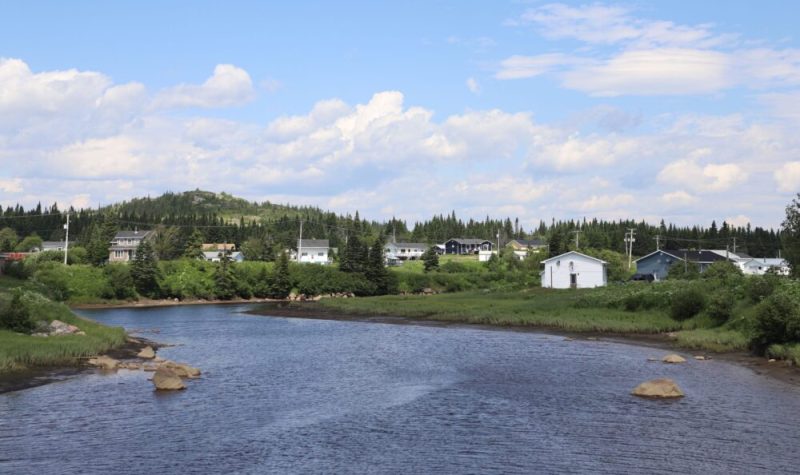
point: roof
(561, 256)
(529, 242)
(768, 261)
(408, 244)
(469, 240)
(314, 243)
(660, 251)
(701, 256)
(131, 234)
(215, 254)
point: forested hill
(220, 217)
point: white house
(313, 251)
(124, 244)
(405, 251)
(484, 256)
(573, 270)
(760, 266)
(216, 256)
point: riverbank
(147, 303)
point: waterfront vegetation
(19, 350)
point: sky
(678, 110)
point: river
(288, 395)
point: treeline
(262, 228)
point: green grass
(789, 352)
(716, 339)
(538, 308)
(19, 351)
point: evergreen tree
(556, 243)
(790, 235)
(194, 246)
(281, 284)
(224, 284)
(376, 271)
(8, 239)
(144, 270)
(15, 316)
(430, 259)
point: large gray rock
(181, 369)
(658, 389)
(104, 362)
(673, 359)
(57, 327)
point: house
(574, 270)
(484, 256)
(657, 263)
(405, 251)
(439, 248)
(521, 247)
(313, 251)
(124, 244)
(216, 256)
(52, 246)
(466, 246)
(762, 265)
(218, 247)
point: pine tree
(144, 270)
(790, 235)
(430, 260)
(224, 285)
(281, 284)
(376, 271)
(194, 246)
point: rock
(672, 336)
(316, 298)
(653, 359)
(104, 362)
(700, 358)
(166, 380)
(427, 291)
(146, 353)
(658, 388)
(131, 365)
(57, 327)
(159, 359)
(568, 339)
(182, 370)
(80, 333)
(771, 360)
(150, 367)
(673, 359)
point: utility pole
(66, 239)
(734, 244)
(300, 241)
(658, 242)
(498, 242)
(577, 239)
(629, 237)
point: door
(573, 281)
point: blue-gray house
(657, 263)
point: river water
(284, 395)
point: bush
(720, 307)
(759, 287)
(15, 315)
(120, 283)
(453, 267)
(777, 321)
(686, 304)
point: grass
(785, 352)
(19, 351)
(538, 308)
(717, 340)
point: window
(305, 254)
(320, 254)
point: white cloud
(575, 152)
(653, 72)
(739, 221)
(606, 202)
(228, 86)
(473, 86)
(712, 177)
(788, 177)
(678, 198)
(13, 185)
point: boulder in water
(182, 370)
(165, 379)
(673, 359)
(659, 389)
(146, 353)
(104, 362)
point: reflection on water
(293, 395)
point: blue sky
(678, 110)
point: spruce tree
(144, 270)
(194, 246)
(430, 259)
(224, 285)
(376, 271)
(790, 235)
(281, 284)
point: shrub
(453, 267)
(720, 307)
(686, 304)
(15, 315)
(777, 321)
(120, 283)
(759, 287)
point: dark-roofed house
(313, 251)
(124, 244)
(466, 246)
(657, 263)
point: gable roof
(313, 243)
(468, 241)
(660, 251)
(528, 242)
(408, 244)
(767, 261)
(561, 256)
(131, 234)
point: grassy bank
(568, 310)
(20, 351)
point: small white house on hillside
(573, 270)
(313, 251)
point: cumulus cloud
(788, 177)
(13, 185)
(711, 177)
(678, 198)
(228, 86)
